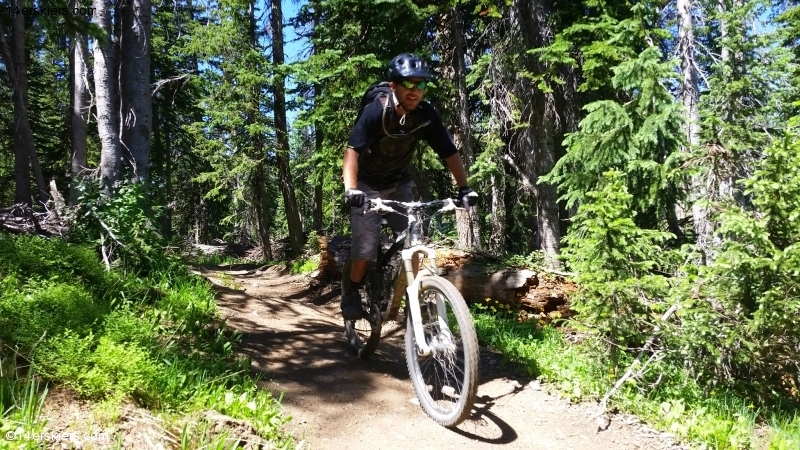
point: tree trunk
(319, 139)
(690, 97)
(498, 219)
(25, 156)
(539, 144)
(22, 168)
(136, 98)
(79, 73)
(262, 223)
(105, 86)
(295, 225)
(452, 49)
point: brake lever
(379, 207)
(450, 205)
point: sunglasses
(408, 84)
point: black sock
(358, 285)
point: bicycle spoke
(443, 372)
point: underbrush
(112, 338)
(663, 395)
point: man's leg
(365, 229)
(398, 222)
(357, 269)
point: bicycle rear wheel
(365, 334)
(446, 382)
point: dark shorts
(366, 227)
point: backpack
(381, 88)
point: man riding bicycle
(377, 161)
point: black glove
(355, 197)
(466, 197)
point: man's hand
(355, 197)
(466, 197)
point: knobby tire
(446, 384)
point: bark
(690, 97)
(22, 168)
(296, 241)
(79, 73)
(500, 112)
(497, 224)
(105, 84)
(451, 39)
(319, 139)
(262, 221)
(538, 140)
(25, 157)
(136, 98)
(162, 166)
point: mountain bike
(440, 340)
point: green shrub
(738, 321)
(28, 315)
(123, 326)
(122, 225)
(618, 294)
(97, 367)
(304, 266)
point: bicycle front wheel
(446, 381)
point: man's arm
(456, 167)
(350, 168)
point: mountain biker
(377, 161)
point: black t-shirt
(384, 160)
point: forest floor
(293, 333)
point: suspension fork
(413, 291)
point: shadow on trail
(299, 349)
(485, 426)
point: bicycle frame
(412, 242)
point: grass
(672, 402)
(112, 338)
(303, 265)
(21, 400)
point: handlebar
(386, 206)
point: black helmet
(409, 65)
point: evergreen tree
(638, 129)
(234, 136)
(618, 292)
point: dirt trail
(293, 333)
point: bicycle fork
(423, 349)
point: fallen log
(543, 295)
(478, 283)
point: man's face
(409, 97)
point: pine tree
(614, 258)
(234, 137)
(638, 129)
(15, 57)
(451, 45)
(134, 78)
(106, 95)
